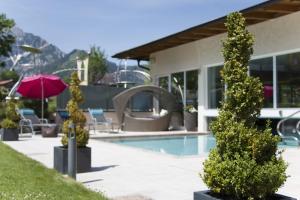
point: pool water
(177, 145)
(180, 146)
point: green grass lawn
(22, 178)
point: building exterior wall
(82, 71)
(273, 37)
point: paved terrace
(128, 173)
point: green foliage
(245, 163)
(8, 74)
(6, 38)
(52, 105)
(77, 117)
(97, 65)
(7, 123)
(12, 117)
(2, 111)
(3, 93)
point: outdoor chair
(31, 121)
(129, 122)
(98, 118)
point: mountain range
(50, 59)
(53, 59)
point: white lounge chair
(98, 118)
(30, 120)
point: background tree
(97, 66)
(244, 164)
(8, 74)
(6, 38)
(76, 115)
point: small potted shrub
(190, 116)
(76, 117)
(10, 127)
(245, 164)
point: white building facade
(195, 67)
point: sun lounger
(31, 121)
(98, 119)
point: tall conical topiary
(76, 115)
(245, 163)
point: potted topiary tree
(10, 127)
(77, 117)
(245, 164)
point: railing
(297, 130)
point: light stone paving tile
(128, 173)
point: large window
(177, 80)
(163, 82)
(215, 88)
(263, 69)
(192, 88)
(288, 80)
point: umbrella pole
(42, 110)
(42, 100)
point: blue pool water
(180, 146)
(176, 145)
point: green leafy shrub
(12, 117)
(77, 117)
(245, 163)
(7, 123)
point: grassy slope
(23, 178)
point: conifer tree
(97, 65)
(245, 164)
(77, 117)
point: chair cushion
(27, 111)
(63, 114)
(96, 111)
(98, 114)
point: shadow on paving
(92, 181)
(95, 169)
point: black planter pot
(208, 195)
(61, 159)
(190, 121)
(9, 134)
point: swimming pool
(176, 145)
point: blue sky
(115, 25)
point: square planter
(9, 134)
(208, 195)
(190, 120)
(61, 159)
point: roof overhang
(255, 14)
(5, 82)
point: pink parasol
(41, 87)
